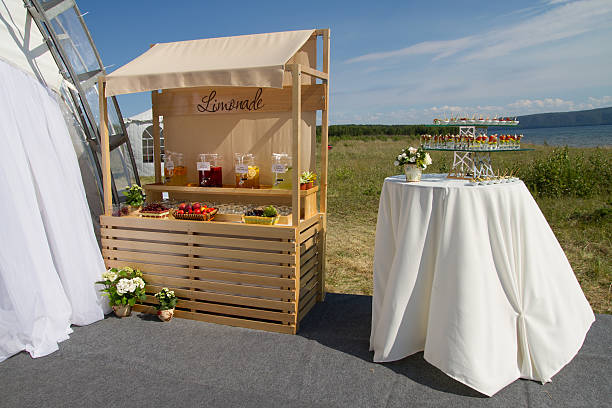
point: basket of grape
(266, 216)
(194, 212)
(154, 210)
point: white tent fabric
(49, 258)
(146, 116)
(22, 45)
(139, 126)
(246, 60)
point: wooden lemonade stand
(258, 94)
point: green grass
(581, 217)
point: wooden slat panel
(200, 251)
(199, 239)
(309, 233)
(308, 255)
(230, 310)
(220, 287)
(312, 289)
(309, 264)
(229, 321)
(207, 274)
(306, 277)
(306, 245)
(304, 225)
(307, 306)
(289, 307)
(194, 101)
(128, 256)
(309, 286)
(221, 228)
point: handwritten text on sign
(211, 104)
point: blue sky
(401, 61)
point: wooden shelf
(228, 191)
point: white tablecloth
(474, 276)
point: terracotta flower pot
(165, 315)
(306, 186)
(123, 310)
(413, 172)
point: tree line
(377, 131)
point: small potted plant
(307, 180)
(123, 287)
(135, 197)
(167, 302)
(414, 161)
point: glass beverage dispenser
(247, 173)
(210, 170)
(282, 170)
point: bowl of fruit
(265, 216)
(154, 210)
(194, 212)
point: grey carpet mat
(139, 361)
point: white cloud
(442, 48)
(563, 20)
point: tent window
(147, 145)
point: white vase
(413, 172)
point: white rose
(399, 157)
(412, 150)
(413, 159)
(404, 155)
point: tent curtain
(49, 257)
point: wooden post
(156, 139)
(325, 126)
(104, 148)
(324, 153)
(296, 107)
(298, 273)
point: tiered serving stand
(473, 161)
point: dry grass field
(357, 169)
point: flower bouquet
(123, 287)
(167, 303)
(414, 161)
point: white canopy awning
(247, 60)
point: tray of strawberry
(154, 210)
(194, 212)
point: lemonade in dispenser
(282, 170)
(247, 173)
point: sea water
(575, 136)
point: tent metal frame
(42, 13)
